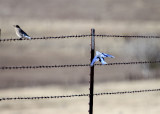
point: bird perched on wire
(20, 33)
(100, 57)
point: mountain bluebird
(20, 33)
(100, 57)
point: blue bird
(100, 57)
(20, 33)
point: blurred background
(39, 18)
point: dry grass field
(138, 103)
(41, 18)
(75, 51)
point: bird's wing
(94, 60)
(98, 53)
(25, 34)
(107, 55)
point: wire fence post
(92, 72)
(0, 33)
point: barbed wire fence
(91, 94)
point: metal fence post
(92, 72)
(0, 33)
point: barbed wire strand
(80, 95)
(79, 36)
(72, 65)
(128, 36)
(45, 38)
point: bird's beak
(14, 25)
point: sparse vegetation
(41, 18)
(142, 103)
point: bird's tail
(28, 37)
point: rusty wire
(72, 65)
(79, 95)
(127, 36)
(79, 36)
(44, 38)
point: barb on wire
(76, 65)
(79, 95)
(46, 38)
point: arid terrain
(42, 18)
(77, 51)
(137, 103)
